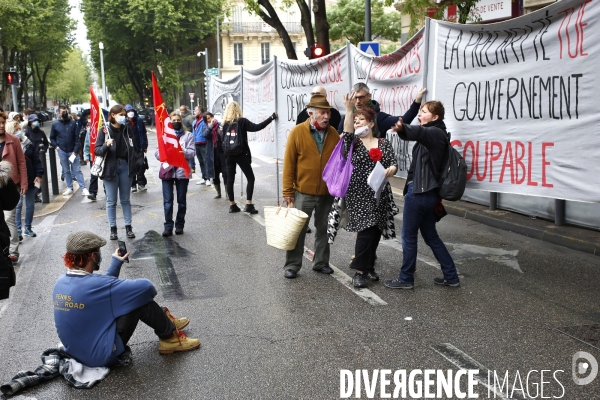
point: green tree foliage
(71, 84)
(141, 36)
(417, 10)
(347, 21)
(36, 35)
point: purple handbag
(338, 170)
(166, 173)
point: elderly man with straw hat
(307, 151)
(95, 315)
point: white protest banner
(520, 100)
(259, 104)
(394, 80)
(295, 79)
(222, 92)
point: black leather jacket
(427, 155)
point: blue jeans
(121, 184)
(201, 154)
(419, 214)
(70, 169)
(29, 205)
(167, 186)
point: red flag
(169, 149)
(95, 113)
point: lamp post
(104, 97)
(205, 54)
(367, 20)
(218, 47)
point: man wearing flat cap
(307, 151)
(95, 315)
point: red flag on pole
(169, 149)
(95, 119)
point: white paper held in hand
(72, 158)
(377, 179)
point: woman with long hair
(234, 124)
(174, 176)
(215, 158)
(368, 215)
(117, 143)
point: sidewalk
(580, 239)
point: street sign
(212, 71)
(191, 96)
(371, 48)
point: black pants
(243, 160)
(152, 315)
(220, 168)
(139, 179)
(365, 249)
(93, 186)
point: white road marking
(338, 274)
(465, 252)
(395, 244)
(463, 361)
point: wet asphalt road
(265, 337)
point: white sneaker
(208, 182)
(68, 192)
(85, 192)
(200, 182)
(141, 188)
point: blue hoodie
(86, 308)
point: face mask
(121, 119)
(177, 126)
(19, 134)
(64, 115)
(99, 260)
(362, 131)
(35, 124)
(319, 127)
(131, 114)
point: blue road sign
(371, 48)
(212, 71)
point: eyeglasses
(360, 97)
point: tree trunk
(306, 22)
(321, 25)
(275, 22)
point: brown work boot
(180, 323)
(177, 342)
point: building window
(265, 53)
(238, 54)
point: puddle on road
(162, 249)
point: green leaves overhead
(347, 21)
(141, 36)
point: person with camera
(95, 315)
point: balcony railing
(255, 27)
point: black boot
(218, 189)
(113, 233)
(129, 232)
(250, 209)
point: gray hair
(310, 110)
(360, 86)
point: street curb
(546, 235)
(540, 234)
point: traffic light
(147, 101)
(314, 51)
(206, 85)
(11, 78)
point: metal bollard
(45, 191)
(53, 172)
(493, 201)
(559, 212)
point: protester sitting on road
(383, 121)
(120, 150)
(233, 121)
(369, 216)
(211, 133)
(9, 197)
(35, 172)
(421, 195)
(11, 151)
(65, 138)
(174, 176)
(95, 315)
(307, 151)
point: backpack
(453, 178)
(233, 143)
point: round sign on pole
(191, 96)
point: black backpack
(453, 178)
(233, 143)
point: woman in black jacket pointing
(235, 140)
